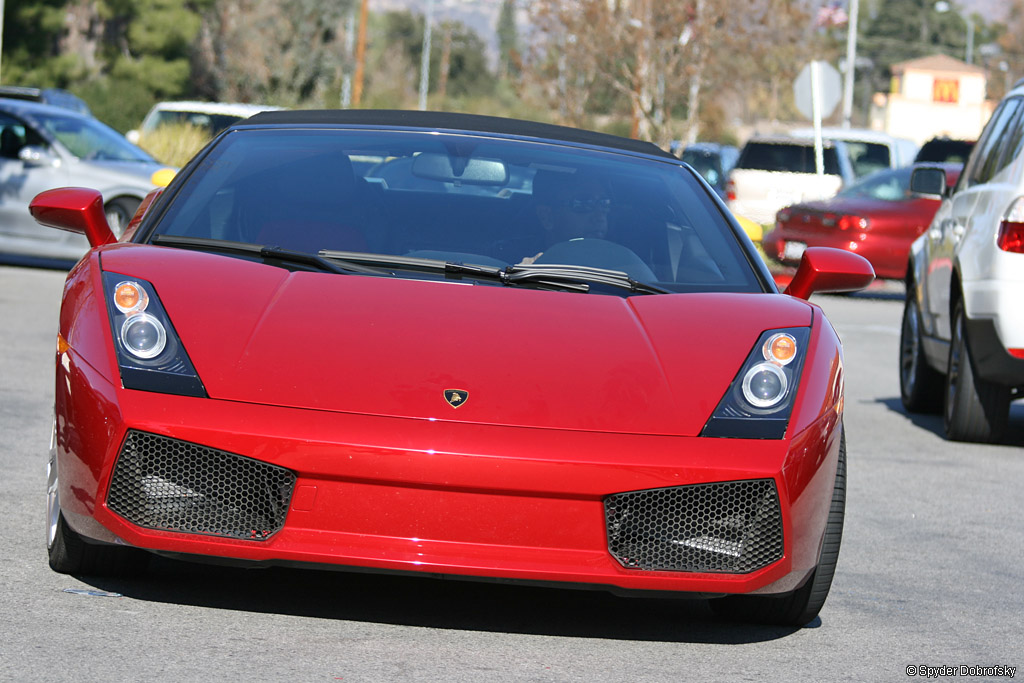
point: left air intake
(164, 483)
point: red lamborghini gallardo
(449, 344)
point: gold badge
(456, 397)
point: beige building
(933, 96)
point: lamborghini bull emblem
(455, 397)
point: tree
(1010, 60)
(467, 73)
(119, 55)
(906, 30)
(661, 57)
(287, 52)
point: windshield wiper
(553, 276)
(266, 253)
(559, 273)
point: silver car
(43, 147)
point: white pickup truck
(774, 172)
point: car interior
(476, 205)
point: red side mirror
(75, 209)
(824, 269)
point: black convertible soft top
(436, 120)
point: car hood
(856, 205)
(126, 174)
(653, 364)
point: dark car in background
(712, 161)
(877, 217)
(944, 149)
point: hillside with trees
(676, 69)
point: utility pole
(357, 87)
(446, 58)
(350, 42)
(425, 61)
(1, 34)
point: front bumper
(477, 501)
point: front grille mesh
(164, 483)
(733, 527)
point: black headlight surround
(170, 371)
(737, 418)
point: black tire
(975, 409)
(802, 605)
(119, 213)
(70, 554)
(920, 383)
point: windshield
(213, 123)
(787, 157)
(463, 199)
(90, 140)
(868, 157)
(889, 186)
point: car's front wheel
(119, 213)
(920, 384)
(976, 410)
(69, 553)
(802, 605)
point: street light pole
(970, 40)
(942, 6)
(851, 60)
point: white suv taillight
(1011, 228)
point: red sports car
(548, 355)
(877, 217)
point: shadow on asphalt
(436, 603)
(933, 423)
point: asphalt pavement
(929, 575)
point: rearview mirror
(471, 170)
(75, 209)
(36, 155)
(824, 269)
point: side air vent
(731, 527)
(164, 483)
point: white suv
(962, 341)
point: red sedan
(876, 217)
(541, 355)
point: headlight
(759, 401)
(150, 356)
(143, 336)
(764, 385)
